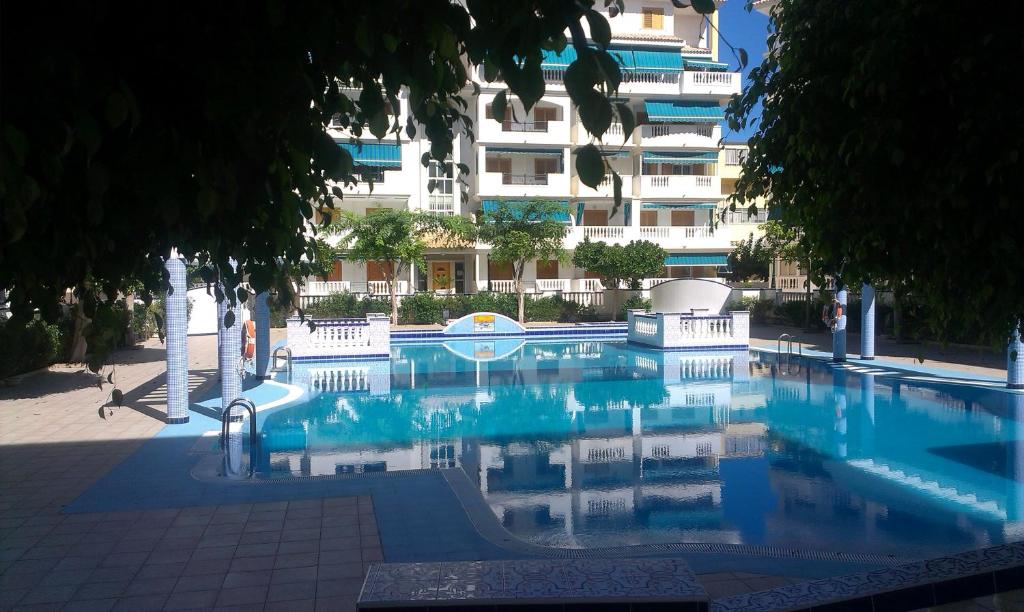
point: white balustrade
(503, 286)
(604, 232)
(547, 285)
(327, 287)
(682, 330)
(591, 284)
(340, 337)
(704, 368)
(680, 135)
(381, 287)
(648, 283)
(681, 186)
(719, 83)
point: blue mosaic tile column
(839, 335)
(1015, 359)
(261, 314)
(176, 321)
(867, 322)
(229, 351)
(840, 416)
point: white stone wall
(340, 337)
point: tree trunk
(520, 299)
(394, 298)
(807, 307)
(78, 344)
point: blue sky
(746, 30)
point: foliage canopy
(208, 135)
(891, 135)
(617, 264)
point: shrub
(759, 309)
(344, 304)
(635, 301)
(28, 347)
(420, 309)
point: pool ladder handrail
(790, 338)
(287, 358)
(227, 417)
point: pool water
(595, 444)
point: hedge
(30, 347)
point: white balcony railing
(523, 185)
(680, 135)
(711, 83)
(590, 284)
(606, 188)
(442, 204)
(668, 237)
(681, 186)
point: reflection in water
(593, 444)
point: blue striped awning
(702, 259)
(379, 154)
(639, 59)
(681, 205)
(530, 152)
(554, 59)
(489, 206)
(680, 158)
(679, 111)
(703, 64)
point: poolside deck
(307, 548)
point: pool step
(931, 487)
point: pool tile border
(919, 584)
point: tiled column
(176, 318)
(839, 335)
(839, 412)
(261, 315)
(867, 322)
(229, 351)
(1015, 359)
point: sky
(746, 30)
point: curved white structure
(690, 295)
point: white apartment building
(675, 171)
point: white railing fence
(340, 337)
(327, 287)
(685, 330)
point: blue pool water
(594, 444)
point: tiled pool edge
(918, 584)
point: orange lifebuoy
(249, 346)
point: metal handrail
(276, 356)
(227, 417)
(790, 338)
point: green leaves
(590, 165)
(627, 119)
(229, 319)
(704, 7)
(499, 105)
(600, 31)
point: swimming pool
(598, 443)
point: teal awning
(701, 64)
(681, 205)
(380, 154)
(702, 259)
(680, 158)
(648, 59)
(489, 206)
(530, 152)
(553, 59)
(628, 212)
(616, 153)
(679, 111)
(580, 207)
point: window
(543, 114)
(547, 165)
(375, 270)
(682, 218)
(648, 218)
(335, 273)
(499, 164)
(653, 18)
(547, 269)
(735, 157)
(441, 174)
(489, 111)
(500, 270)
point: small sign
(483, 350)
(483, 323)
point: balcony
(711, 83)
(667, 237)
(612, 139)
(680, 135)
(524, 185)
(524, 132)
(680, 186)
(605, 189)
(641, 83)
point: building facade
(675, 171)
